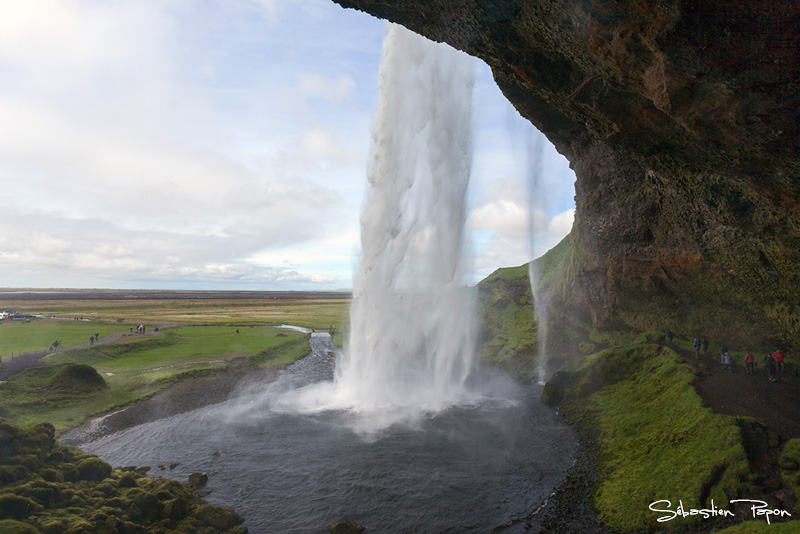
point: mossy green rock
(77, 377)
(93, 469)
(346, 527)
(9, 526)
(51, 488)
(17, 506)
(218, 517)
(198, 480)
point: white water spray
(411, 340)
(536, 205)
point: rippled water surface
(471, 468)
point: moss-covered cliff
(680, 119)
(510, 331)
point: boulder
(93, 469)
(346, 527)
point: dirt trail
(774, 405)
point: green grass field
(308, 312)
(18, 337)
(194, 340)
(137, 368)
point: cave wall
(680, 120)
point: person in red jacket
(778, 357)
(749, 362)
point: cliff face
(680, 119)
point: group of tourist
(774, 365)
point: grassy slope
(506, 311)
(654, 438)
(138, 370)
(205, 345)
(20, 337)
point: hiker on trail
(705, 346)
(749, 362)
(769, 366)
(669, 337)
(723, 350)
(91, 340)
(237, 331)
(726, 361)
(778, 357)
(696, 345)
(97, 336)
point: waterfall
(536, 204)
(411, 333)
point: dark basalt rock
(680, 119)
(198, 480)
(346, 527)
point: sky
(185, 144)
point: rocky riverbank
(180, 398)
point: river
(470, 468)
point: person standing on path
(696, 345)
(91, 340)
(726, 361)
(778, 357)
(749, 362)
(769, 367)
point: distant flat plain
(318, 310)
(191, 336)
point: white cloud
(510, 231)
(561, 224)
(143, 141)
(504, 216)
(181, 144)
(332, 90)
